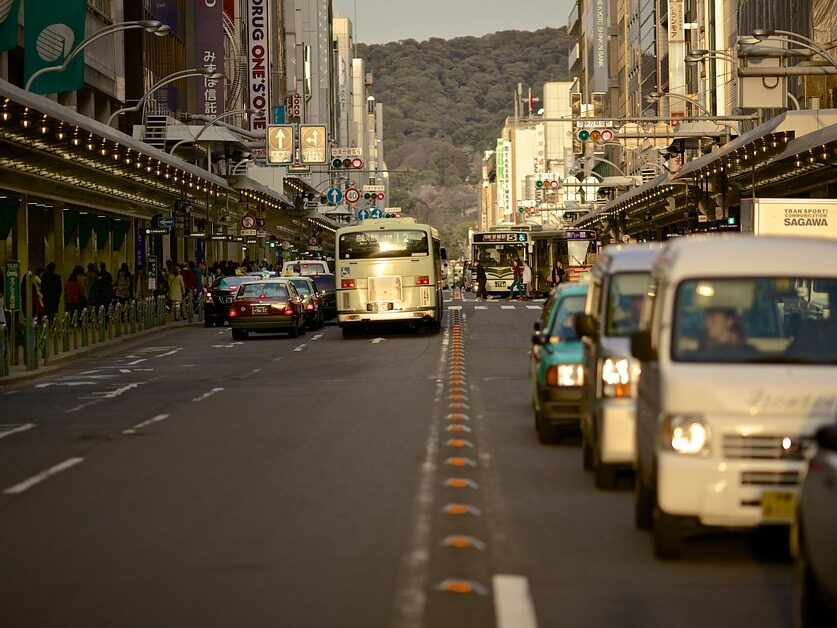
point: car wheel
(239, 334)
(547, 434)
(643, 504)
(668, 534)
(586, 452)
(810, 609)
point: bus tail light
(423, 280)
(347, 284)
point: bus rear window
(379, 244)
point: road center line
(139, 426)
(15, 429)
(513, 604)
(168, 353)
(37, 479)
(300, 347)
(208, 394)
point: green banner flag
(9, 10)
(52, 30)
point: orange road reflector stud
(456, 405)
(463, 587)
(458, 389)
(459, 443)
(460, 510)
(463, 541)
(457, 397)
(457, 416)
(457, 427)
(461, 462)
(461, 483)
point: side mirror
(641, 346)
(539, 338)
(538, 324)
(585, 325)
(443, 253)
(827, 437)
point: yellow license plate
(260, 309)
(778, 506)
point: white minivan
(618, 283)
(738, 350)
(304, 267)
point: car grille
(761, 447)
(770, 478)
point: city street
(392, 479)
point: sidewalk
(61, 360)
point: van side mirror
(827, 437)
(641, 346)
(585, 325)
(443, 253)
(539, 338)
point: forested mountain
(445, 102)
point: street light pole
(194, 139)
(155, 27)
(171, 78)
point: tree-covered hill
(445, 102)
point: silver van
(618, 283)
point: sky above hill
(382, 21)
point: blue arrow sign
(362, 214)
(376, 213)
(334, 196)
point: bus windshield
(499, 254)
(378, 244)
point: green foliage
(445, 102)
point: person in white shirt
(527, 280)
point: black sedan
(217, 299)
(327, 289)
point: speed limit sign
(351, 195)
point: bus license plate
(500, 284)
(259, 309)
(777, 506)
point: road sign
(280, 144)
(347, 152)
(312, 144)
(334, 196)
(12, 285)
(247, 232)
(375, 212)
(352, 195)
(362, 214)
(248, 222)
(165, 222)
(374, 188)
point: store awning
(252, 189)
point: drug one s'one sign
(258, 62)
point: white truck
(802, 217)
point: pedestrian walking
(124, 287)
(517, 283)
(177, 290)
(51, 291)
(72, 293)
(105, 285)
(141, 284)
(558, 272)
(482, 279)
(527, 280)
(84, 285)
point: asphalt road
(386, 480)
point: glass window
(325, 282)
(382, 243)
(500, 254)
(303, 287)
(262, 291)
(774, 319)
(564, 321)
(624, 303)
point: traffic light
(547, 184)
(368, 196)
(392, 215)
(272, 242)
(355, 163)
(596, 135)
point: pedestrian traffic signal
(355, 163)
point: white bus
(496, 250)
(388, 269)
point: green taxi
(556, 371)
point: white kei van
(618, 283)
(738, 350)
(304, 267)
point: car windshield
(769, 320)
(564, 321)
(273, 291)
(624, 303)
(229, 284)
(390, 243)
(302, 286)
(325, 282)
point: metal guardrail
(38, 340)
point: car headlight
(685, 434)
(618, 375)
(565, 375)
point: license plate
(778, 506)
(499, 284)
(260, 309)
(381, 307)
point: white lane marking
(113, 394)
(454, 307)
(534, 307)
(376, 341)
(135, 362)
(279, 359)
(11, 392)
(254, 371)
(513, 604)
(139, 426)
(411, 582)
(226, 346)
(14, 429)
(208, 394)
(168, 353)
(300, 347)
(317, 337)
(480, 307)
(37, 479)
(48, 384)
(507, 307)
